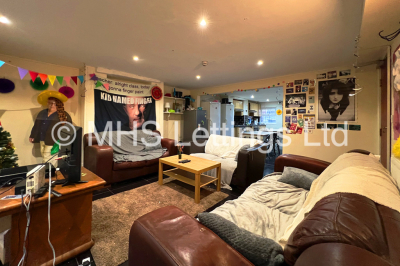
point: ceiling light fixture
(136, 58)
(198, 77)
(203, 23)
(252, 96)
(267, 100)
(260, 62)
(4, 20)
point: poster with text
(130, 104)
(335, 100)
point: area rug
(113, 216)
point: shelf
(173, 113)
(173, 98)
(189, 178)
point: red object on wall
(156, 93)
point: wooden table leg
(219, 178)
(160, 173)
(197, 189)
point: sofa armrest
(169, 236)
(250, 167)
(170, 145)
(306, 163)
(333, 254)
(99, 160)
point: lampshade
(167, 105)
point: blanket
(351, 173)
(134, 147)
(266, 208)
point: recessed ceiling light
(260, 62)
(267, 100)
(4, 20)
(252, 96)
(198, 77)
(136, 58)
(203, 23)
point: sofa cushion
(351, 219)
(257, 249)
(227, 147)
(297, 177)
(244, 147)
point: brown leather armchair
(342, 229)
(99, 160)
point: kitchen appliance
(240, 120)
(227, 119)
(192, 120)
(214, 116)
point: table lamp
(167, 106)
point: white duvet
(266, 208)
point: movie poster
(131, 104)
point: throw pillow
(258, 250)
(297, 177)
(244, 147)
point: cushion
(258, 250)
(297, 177)
(244, 147)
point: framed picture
(289, 90)
(332, 74)
(335, 102)
(311, 90)
(304, 89)
(298, 82)
(311, 108)
(302, 111)
(294, 119)
(296, 100)
(289, 84)
(294, 112)
(321, 76)
(288, 111)
(311, 99)
(305, 82)
(298, 88)
(312, 82)
(287, 119)
(345, 72)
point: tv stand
(68, 182)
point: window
(268, 115)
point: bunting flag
(68, 80)
(107, 86)
(60, 79)
(75, 79)
(81, 78)
(43, 77)
(52, 79)
(33, 75)
(22, 72)
(1, 63)
(98, 84)
(93, 77)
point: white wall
(367, 110)
(19, 108)
(279, 119)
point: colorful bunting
(98, 84)
(22, 72)
(107, 86)
(75, 79)
(81, 78)
(43, 77)
(1, 63)
(33, 75)
(52, 79)
(93, 77)
(67, 80)
(60, 79)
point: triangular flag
(43, 77)
(52, 79)
(98, 84)
(1, 63)
(75, 79)
(81, 78)
(93, 77)
(33, 75)
(107, 86)
(60, 79)
(68, 80)
(22, 72)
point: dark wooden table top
(11, 206)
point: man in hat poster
(47, 120)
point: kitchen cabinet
(238, 104)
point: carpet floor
(113, 216)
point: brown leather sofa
(250, 167)
(342, 229)
(99, 160)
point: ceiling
(273, 94)
(289, 36)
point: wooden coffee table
(190, 173)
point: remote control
(40, 192)
(55, 193)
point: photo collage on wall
(333, 102)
